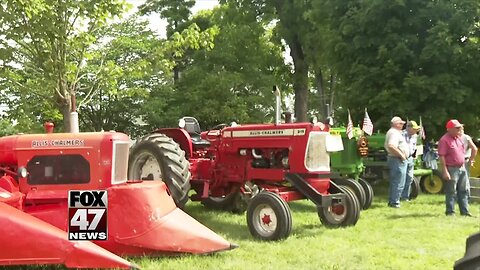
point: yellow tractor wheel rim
(433, 184)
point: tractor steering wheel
(219, 126)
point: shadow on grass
(236, 228)
(226, 223)
(302, 207)
(412, 215)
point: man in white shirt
(470, 154)
(470, 150)
(410, 134)
(397, 149)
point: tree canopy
(411, 58)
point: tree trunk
(332, 90)
(321, 93)
(65, 106)
(300, 80)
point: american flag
(422, 130)
(349, 126)
(367, 124)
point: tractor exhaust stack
(278, 106)
(74, 126)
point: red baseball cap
(453, 124)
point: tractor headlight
(22, 172)
(285, 162)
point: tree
(176, 12)
(124, 64)
(234, 80)
(129, 75)
(409, 57)
(294, 28)
(43, 49)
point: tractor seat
(192, 126)
(198, 142)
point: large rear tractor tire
(354, 186)
(269, 217)
(432, 184)
(158, 157)
(368, 193)
(414, 188)
(341, 214)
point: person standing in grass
(397, 149)
(410, 134)
(451, 150)
(470, 150)
(470, 154)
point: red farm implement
(39, 170)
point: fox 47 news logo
(87, 215)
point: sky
(159, 25)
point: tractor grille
(120, 162)
(316, 156)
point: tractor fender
(181, 137)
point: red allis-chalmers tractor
(264, 166)
(37, 173)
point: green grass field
(416, 236)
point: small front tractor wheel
(158, 157)
(341, 214)
(414, 188)
(231, 202)
(355, 187)
(432, 184)
(368, 193)
(269, 217)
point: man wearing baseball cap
(451, 150)
(410, 134)
(397, 149)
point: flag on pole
(422, 130)
(367, 124)
(349, 126)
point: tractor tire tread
(281, 209)
(175, 167)
(368, 193)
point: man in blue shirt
(410, 134)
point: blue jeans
(456, 190)
(408, 179)
(467, 167)
(398, 171)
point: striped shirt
(411, 142)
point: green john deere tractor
(347, 165)
(365, 160)
(426, 179)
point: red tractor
(259, 166)
(37, 173)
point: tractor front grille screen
(120, 162)
(317, 157)
(58, 169)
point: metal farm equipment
(347, 166)
(257, 167)
(37, 173)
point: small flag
(422, 130)
(349, 126)
(367, 124)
